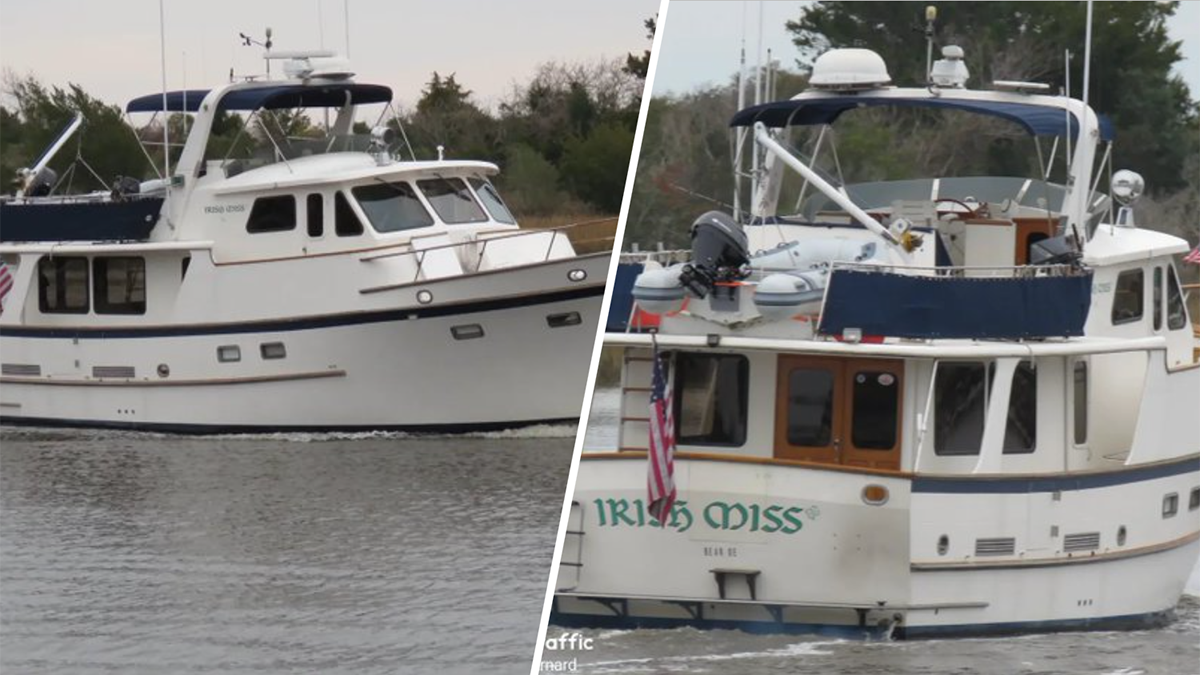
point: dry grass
(593, 234)
(608, 371)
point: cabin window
(119, 285)
(711, 392)
(229, 353)
(1020, 430)
(63, 285)
(960, 402)
(1194, 499)
(876, 405)
(392, 207)
(1158, 298)
(810, 407)
(1176, 312)
(272, 214)
(1081, 402)
(492, 202)
(452, 200)
(1170, 505)
(345, 220)
(272, 350)
(316, 215)
(1128, 298)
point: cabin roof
(1036, 118)
(344, 166)
(1114, 245)
(276, 96)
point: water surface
(138, 553)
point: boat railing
(970, 272)
(555, 232)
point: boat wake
(45, 434)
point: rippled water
(136, 553)
(1172, 650)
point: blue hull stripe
(306, 323)
(1020, 485)
(198, 429)
(1125, 622)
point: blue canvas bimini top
(1038, 120)
(284, 96)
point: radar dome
(849, 69)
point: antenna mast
(162, 43)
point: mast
(741, 133)
(162, 42)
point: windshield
(491, 200)
(392, 207)
(452, 200)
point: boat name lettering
(226, 208)
(716, 515)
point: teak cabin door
(839, 411)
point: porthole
(874, 495)
(229, 353)
(943, 545)
(1121, 536)
(164, 370)
(577, 275)
(424, 297)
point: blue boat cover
(80, 221)
(621, 306)
(898, 305)
(1038, 120)
(285, 96)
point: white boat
(968, 407)
(314, 284)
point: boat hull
(490, 362)
(860, 569)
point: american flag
(6, 283)
(660, 474)
(1193, 257)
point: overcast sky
(702, 41)
(111, 49)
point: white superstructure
(974, 411)
(274, 282)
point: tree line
(562, 139)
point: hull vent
(1082, 541)
(125, 372)
(21, 369)
(995, 546)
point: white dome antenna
(849, 70)
(950, 71)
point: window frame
(1140, 274)
(270, 199)
(1175, 297)
(466, 187)
(60, 283)
(417, 197)
(100, 302)
(475, 183)
(743, 373)
(938, 449)
(309, 210)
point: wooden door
(839, 411)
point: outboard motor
(720, 252)
(1060, 250)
